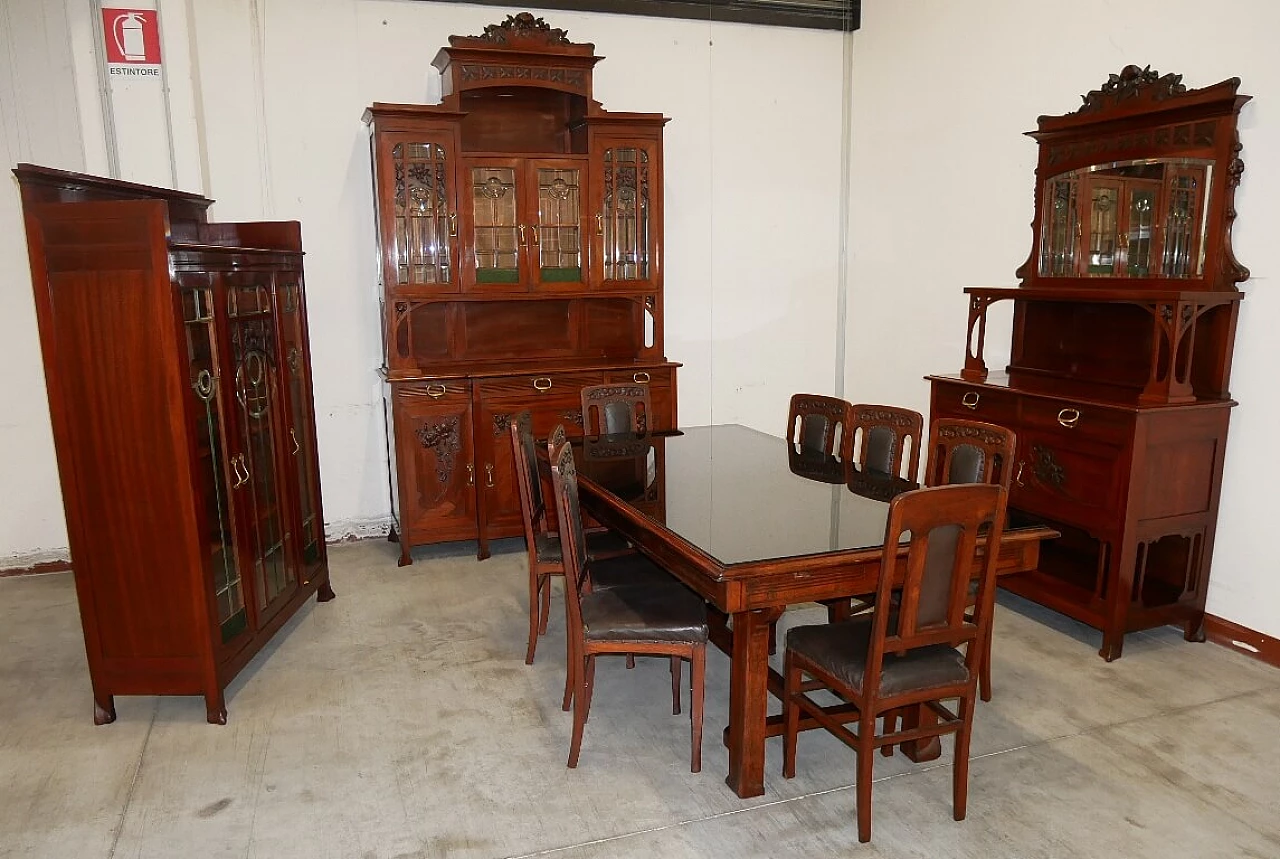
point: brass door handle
(533, 235)
(488, 475)
(542, 383)
(520, 229)
(970, 400)
(294, 436)
(453, 224)
(435, 392)
(641, 378)
(600, 224)
(1069, 417)
(471, 475)
(1017, 477)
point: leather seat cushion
(629, 570)
(598, 543)
(841, 648)
(644, 613)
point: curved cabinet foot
(1193, 630)
(324, 593)
(104, 710)
(215, 709)
(405, 558)
(1111, 650)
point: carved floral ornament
(1132, 82)
(522, 28)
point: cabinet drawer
(1085, 422)
(654, 376)
(446, 391)
(974, 402)
(537, 384)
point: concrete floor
(400, 722)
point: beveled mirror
(1138, 218)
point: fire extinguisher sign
(132, 41)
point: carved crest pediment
(1132, 83)
(522, 31)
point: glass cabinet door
(213, 469)
(417, 197)
(253, 362)
(499, 235)
(299, 439)
(626, 234)
(557, 235)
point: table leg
(749, 700)
(929, 749)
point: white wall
(265, 102)
(942, 200)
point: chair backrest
(558, 437)
(564, 479)
(945, 524)
(616, 408)
(969, 452)
(886, 438)
(524, 453)
(816, 423)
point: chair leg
(631, 660)
(791, 716)
(571, 680)
(590, 685)
(960, 772)
(534, 617)
(675, 685)
(581, 706)
(546, 604)
(773, 638)
(866, 768)
(697, 689)
(984, 668)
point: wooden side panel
(109, 339)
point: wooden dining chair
(616, 408)
(906, 657)
(818, 423)
(885, 439)
(611, 552)
(963, 451)
(625, 620)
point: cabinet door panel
(417, 182)
(500, 227)
(626, 181)
(304, 472)
(558, 213)
(1069, 479)
(435, 461)
(254, 361)
(213, 478)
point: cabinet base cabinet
(1133, 491)
(453, 477)
(178, 369)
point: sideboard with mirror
(1123, 329)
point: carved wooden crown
(1132, 83)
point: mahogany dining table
(754, 525)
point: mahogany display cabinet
(1123, 331)
(519, 229)
(178, 370)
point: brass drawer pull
(435, 392)
(970, 400)
(471, 475)
(488, 475)
(1017, 478)
(1069, 417)
(542, 383)
(641, 378)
